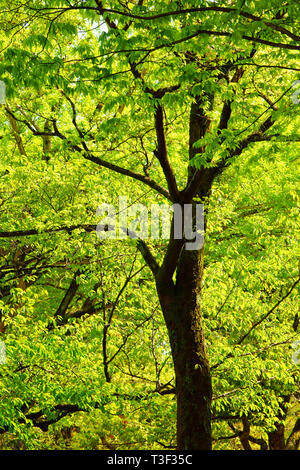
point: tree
(180, 91)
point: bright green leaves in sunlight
(88, 362)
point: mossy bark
(182, 311)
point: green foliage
(98, 376)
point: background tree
(188, 102)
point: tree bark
(276, 438)
(181, 307)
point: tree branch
(99, 161)
(268, 313)
(162, 155)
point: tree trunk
(276, 438)
(181, 308)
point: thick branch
(99, 161)
(141, 244)
(148, 256)
(67, 299)
(16, 132)
(162, 156)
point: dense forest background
(159, 101)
